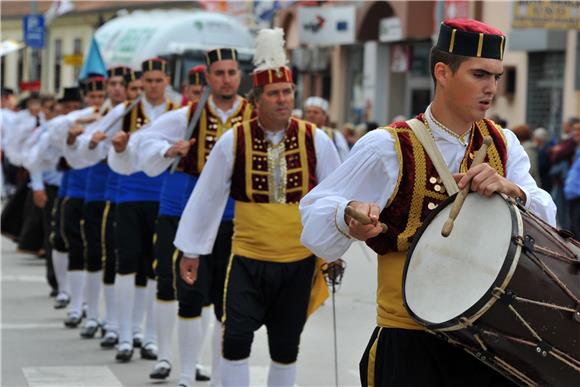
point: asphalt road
(37, 350)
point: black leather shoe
(72, 320)
(200, 377)
(137, 342)
(124, 355)
(161, 370)
(149, 352)
(90, 329)
(53, 293)
(110, 340)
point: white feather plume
(270, 52)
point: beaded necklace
(461, 137)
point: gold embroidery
(414, 218)
(303, 156)
(277, 172)
(492, 153)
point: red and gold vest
(138, 118)
(267, 224)
(207, 131)
(418, 191)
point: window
(20, 67)
(57, 64)
(77, 50)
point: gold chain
(461, 137)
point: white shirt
(199, 223)
(126, 162)
(370, 174)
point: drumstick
(362, 218)
(458, 203)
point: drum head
(445, 277)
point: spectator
(523, 134)
(572, 185)
(541, 137)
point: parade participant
(316, 111)
(38, 157)
(78, 156)
(136, 213)
(74, 213)
(156, 150)
(195, 84)
(267, 164)
(390, 177)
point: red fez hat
(468, 37)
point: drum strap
(434, 153)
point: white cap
(317, 102)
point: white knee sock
(110, 308)
(206, 313)
(139, 309)
(216, 354)
(76, 280)
(189, 333)
(281, 375)
(124, 296)
(235, 373)
(93, 286)
(60, 264)
(166, 314)
(150, 304)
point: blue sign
(33, 30)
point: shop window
(77, 50)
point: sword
(193, 122)
(333, 273)
(93, 145)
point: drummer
(390, 178)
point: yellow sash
(390, 310)
(271, 232)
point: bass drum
(505, 286)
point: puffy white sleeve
(154, 141)
(518, 171)
(369, 175)
(202, 216)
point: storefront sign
(556, 15)
(390, 30)
(326, 26)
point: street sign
(33, 30)
(73, 60)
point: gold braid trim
(419, 191)
(492, 153)
(303, 155)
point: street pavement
(37, 350)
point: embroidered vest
(267, 223)
(137, 117)
(418, 191)
(207, 131)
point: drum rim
(502, 280)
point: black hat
(6, 91)
(196, 75)
(117, 71)
(131, 76)
(95, 84)
(468, 37)
(221, 54)
(71, 94)
(154, 64)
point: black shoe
(149, 352)
(110, 340)
(72, 320)
(161, 370)
(124, 355)
(62, 301)
(89, 331)
(53, 293)
(200, 377)
(137, 342)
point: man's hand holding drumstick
(363, 220)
